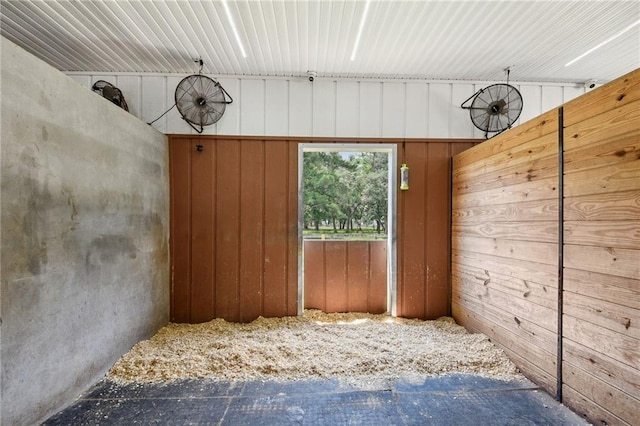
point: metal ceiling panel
(450, 40)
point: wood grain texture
(537, 189)
(480, 281)
(529, 331)
(613, 95)
(620, 319)
(619, 206)
(592, 412)
(602, 152)
(601, 392)
(605, 260)
(523, 231)
(535, 363)
(518, 307)
(536, 128)
(619, 346)
(502, 162)
(510, 174)
(527, 211)
(615, 234)
(494, 210)
(508, 249)
(605, 368)
(619, 290)
(544, 274)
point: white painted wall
(330, 107)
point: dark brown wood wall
(345, 276)
(506, 242)
(234, 227)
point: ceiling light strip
(362, 21)
(610, 39)
(233, 27)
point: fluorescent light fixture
(362, 21)
(615, 36)
(233, 27)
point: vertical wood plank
(370, 109)
(336, 276)
(228, 229)
(180, 184)
(314, 275)
(252, 104)
(377, 277)
(347, 103)
(277, 108)
(275, 229)
(251, 228)
(292, 233)
(412, 260)
(202, 230)
(357, 276)
(324, 108)
(437, 235)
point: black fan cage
(200, 100)
(496, 107)
(110, 92)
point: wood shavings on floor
(354, 348)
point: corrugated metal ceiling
(452, 40)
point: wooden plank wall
(504, 246)
(234, 256)
(601, 322)
(504, 236)
(233, 229)
(345, 276)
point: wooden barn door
(345, 276)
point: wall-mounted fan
(110, 92)
(494, 108)
(201, 100)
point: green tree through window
(345, 194)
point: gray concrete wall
(84, 236)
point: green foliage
(345, 193)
